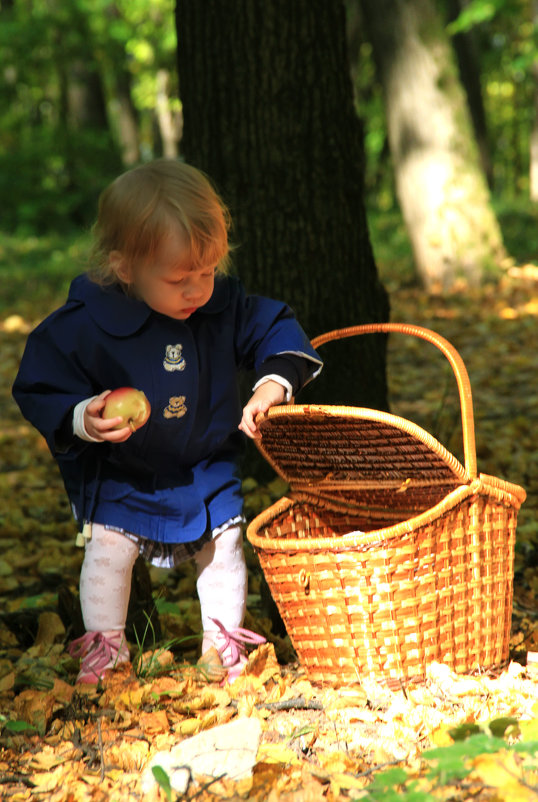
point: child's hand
(102, 428)
(267, 395)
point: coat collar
(117, 314)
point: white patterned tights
(105, 581)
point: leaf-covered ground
(62, 742)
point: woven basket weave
(388, 553)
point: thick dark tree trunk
(268, 114)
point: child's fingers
(253, 433)
(248, 422)
(117, 435)
(107, 429)
(97, 404)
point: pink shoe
(231, 647)
(98, 652)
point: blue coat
(177, 475)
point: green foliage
(35, 272)
(504, 37)
(19, 726)
(150, 657)
(449, 763)
(67, 73)
(519, 223)
(446, 766)
(497, 728)
(66, 76)
(51, 189)
(163, 781)
(505, 34)
(476, 12)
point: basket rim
(504, 492)
(312, 411)
(449, 352)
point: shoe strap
(97, 641)
(236, 639)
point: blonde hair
(136, 211)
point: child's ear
(120, 266)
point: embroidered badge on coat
(173, 358)
(176, 407)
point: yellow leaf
(508, 313)
(215, 717)
(303, 688)
(132, 698)
(7, 682)
(210, 697)
(188, 726)
(529, 729)
(127, 756)
(501, 771)
(47, 759)
(531, 308)
(336, 762)
(440, 737)
(337, 699)
(155, 660)
(48, 780)
(347, 781)
(216, 697)
(276, 753)
(210, 665)
(167, 686)
(263, 663)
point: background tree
(466, 48)
(70, 68)
(510, 62)
(88, 88)
(269, 115)
(440, 184)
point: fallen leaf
(152, 723)
(50, 629)
(276, 753)
(501, 771)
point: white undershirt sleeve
(79, 430)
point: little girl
(158, 312)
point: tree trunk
(441, 187)
(124, 118)
(269, 115)
(466, 50)
(169, 128)
(86, 103)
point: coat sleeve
(51, 381)
(267, 328)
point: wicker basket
(388, 553)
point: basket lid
(326, 449)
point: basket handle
(456, 363)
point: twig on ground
(101, 750)
(298, 703)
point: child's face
(167, 283)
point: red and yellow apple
(129, 404)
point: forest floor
(450, 737)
